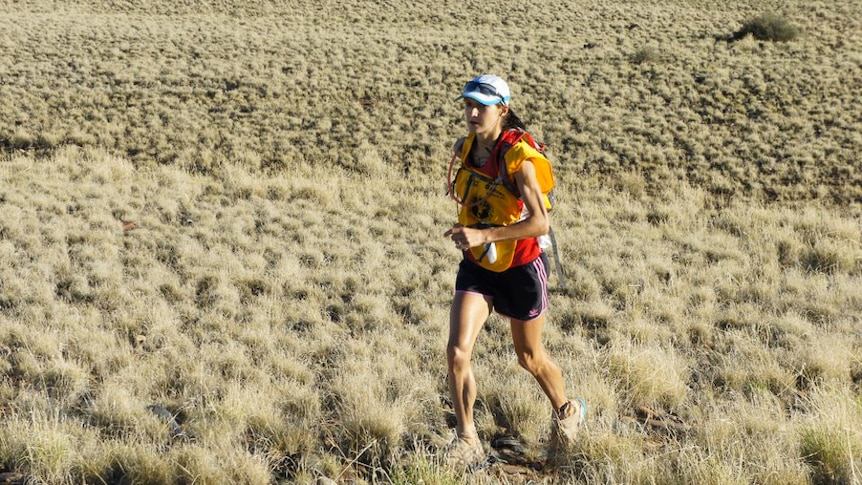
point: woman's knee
(531, 362)
(457, 357)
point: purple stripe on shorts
(543, 279)
(466, 292)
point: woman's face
(481, 119)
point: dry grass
(234, 212)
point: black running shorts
(520, 292)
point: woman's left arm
(537, 222)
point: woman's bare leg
(527, 337)
(466, 318)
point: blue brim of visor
(484, 98)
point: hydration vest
(489, 196)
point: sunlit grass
(235, 213)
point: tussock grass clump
(769, 26)
(599, 449)
(419, 467)
(649, 376)
(830, 441)
(755, 427)
(522, 414)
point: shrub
(646, 55)
(768, 26)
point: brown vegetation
(221, 257)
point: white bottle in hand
(491, 252)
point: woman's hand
(465, 237)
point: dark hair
(512, 121)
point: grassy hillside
(222, 254)
(612, 87)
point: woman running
(503, 214)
